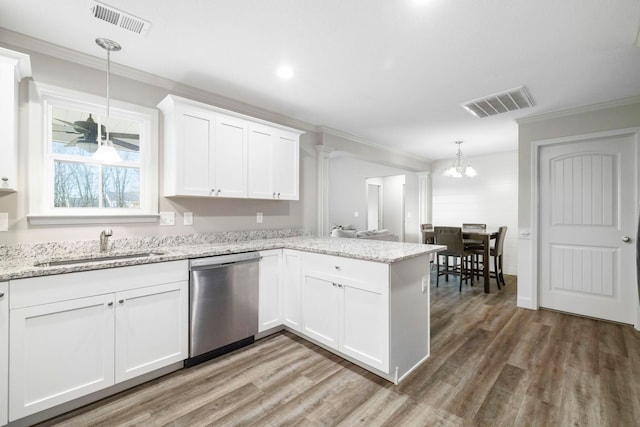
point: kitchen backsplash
(81, 247)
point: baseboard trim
(526, 303)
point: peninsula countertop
(369, 250)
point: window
(70, 185)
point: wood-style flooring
(491, 364)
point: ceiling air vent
(510, 100)
(119, 18)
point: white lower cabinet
(321, 311)
(151, 329)
(345, 305)
(269, 290)
(70, 337)
(59, 352)
(291, 289)
(4, 353)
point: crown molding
(359, 140)
(579, 110)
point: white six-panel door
(587, 209)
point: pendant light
(106, 152)
(459, 167)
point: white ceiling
(393, 72)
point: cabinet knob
(274, 194)
(218, 191)
(278, 195)
(1, 294)
(110, 303)
(339, 285)
(334, 284)
(337, 267)
(121, 301)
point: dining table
(485, 236)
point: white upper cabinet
(230, 157)
(273, 163)
(205, 153)
(210, 152)
(14, 66)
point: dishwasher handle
(225, 264)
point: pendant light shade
(458, 167)
(106, 151)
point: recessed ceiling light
(285, 72)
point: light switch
(356, 214)
(167, 218)
(4, 221)
(187, 219)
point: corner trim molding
(359, 140)
(577, 110)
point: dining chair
(423, 228)
(496, 251)
(451, 237)
(471, 245)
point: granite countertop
(370, 250)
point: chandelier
(459, 167)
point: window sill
(90, 219)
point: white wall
(490, 198)
(393, 205)
(620, 114)
(347, 193)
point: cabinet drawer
(62, 287)
(363, 274)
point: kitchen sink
(83, 260)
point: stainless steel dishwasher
(223, 304)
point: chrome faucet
(104, 239)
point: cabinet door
(270, 290)
(364, 333)
(286, 159)
(151, 328)
(8, 134)
(230, 157)
(291, 289)
(260, 160)
(4, 352)
(59, 352)
(196, 139)
(320, 309)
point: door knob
(626, 239)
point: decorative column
(424, 198)
(324, 157)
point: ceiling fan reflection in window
(88, 135)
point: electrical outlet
(259, 217)
(167, 218)
(4, 221)
(187, 219)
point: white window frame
(40, 163)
